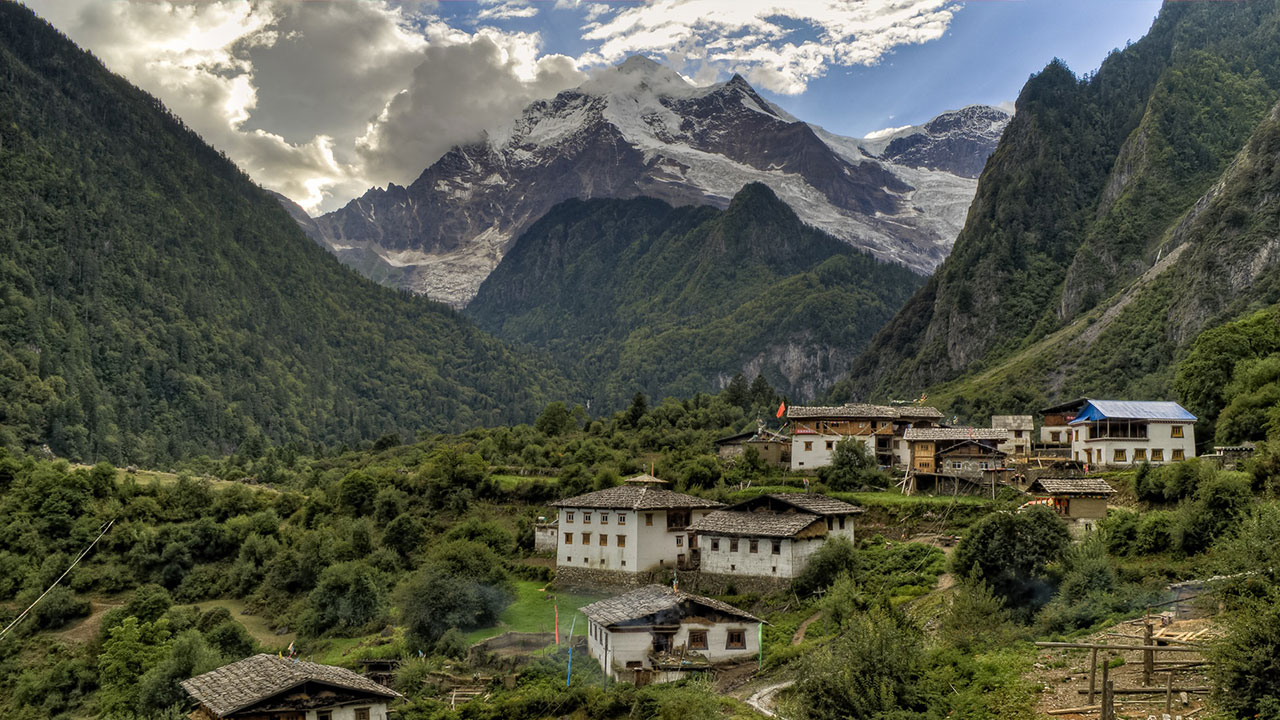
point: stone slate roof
(1013, 422)
(636, 497)
(652, 599)
(760, 524)
(1073, 486)
(861, 410)
(816, 504)
(241, 684)
(955, 434)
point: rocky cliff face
(1082, 206)
(641, 130)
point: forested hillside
(1109, 197)
(637, 295)
(155, 303)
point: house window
(1055, 436)
(1178, 456)
(1077, 436)
(1017, 433)
(679, 541)
(622, 518)
(362, 713)
(697, 639)
(568, 517)
(624, 563)
(808, 445)
(604, 540)
(568, 538)
(622, 541)
(1118, 456)
(586, 518)
(736, 640)
(841, 522)
(1139, 454)
(648, 518)
(831, 444)
(956, 465)
(602, 562)
(777, 547)
(1157, 455)
(324, 715)
(755, 546)
(604, 518)
(733, 545)
(1175, 431)
(586, 538)
(830, 524)
(715, 544)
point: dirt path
(798, 637)
(85, 630)
(765, 699)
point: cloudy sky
(322, 99)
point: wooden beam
(1108, 646)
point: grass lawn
(255, 624)
(892, 497)
(533, 611)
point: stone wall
(594, 579)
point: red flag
(557, 607)
(782, 407)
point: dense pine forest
(155, 304)
(620, 291)
(1123, 213)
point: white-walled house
(657, 634)
(618, 535)
(1021, 430)
(269, 687)
(1119, 433)
(770, 536)
(816, 430)
(1055, 423)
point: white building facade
(817, 429)
(656, 634)
(1120, 433)
(637, 527)
(771, 536)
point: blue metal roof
(1094, 410)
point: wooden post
(1106, 686)
(1168, 695)
(1109, 700)
(1148, 656)
(1093, 673)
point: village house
(1021, 431)
(621, 535)
(1081, 501)
(773, 448)
(770, 536)
(925, 445)
(1055, 423)
(657, 634)
(545, 535)
(816, 430)
(269, 687)
(1120, 433)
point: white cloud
(508, 11)
(317, 100)
(781, 46)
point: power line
(104, 528)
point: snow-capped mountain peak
(642, 129)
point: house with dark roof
(772, 447)
(1081, 501)
(1120, 433)
(269, 687)
(619, 535)
(770, 536)
(658, 634)
(1055, 422)
(815, 430)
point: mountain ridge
(639, 130)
